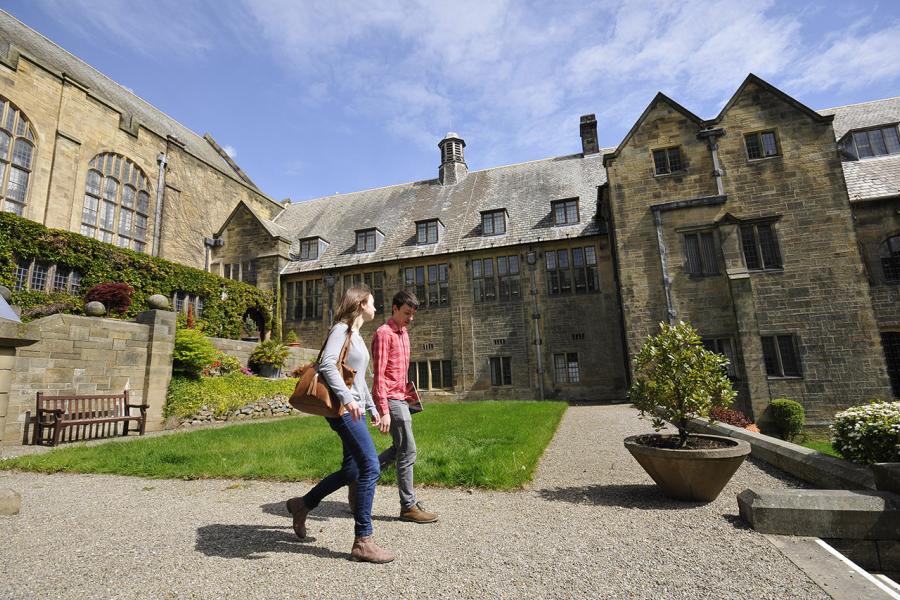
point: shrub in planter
(268, 355)
(869, 433)
(291, 338)
(788, 416)
(116, 297)
(728, 415)
(192, 353)
(222, 364)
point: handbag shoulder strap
(344, 350)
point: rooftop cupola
(453, 162)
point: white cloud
(230, 150)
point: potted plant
(250, 330)
(268, 358)
(677, 380)
(291, 339)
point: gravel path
(591, 525)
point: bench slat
(82, 417)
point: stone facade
(77, 114)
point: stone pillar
(12, 336)
(160, 344)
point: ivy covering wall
(98, 262)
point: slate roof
(869, 178)
(525, 190)
(37, 47)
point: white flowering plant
(869, 433)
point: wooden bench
(73, 418)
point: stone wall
(242, 350)
(87, 355)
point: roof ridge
(859, 103)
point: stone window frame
(563, 208)
(493, 217)
(27, 270)
(303, 300)
(428, 232)
(563, 279)
(501, 371)
(430, 283)
(181, 300)
(890, 141)
(116, 205)
(421, 373)
(566, 367)
(781, 356)
(496, 278)
(759, 255)
(18, 156)
(758, 145)
(889, 257)
(724, 345)
(663, 159)
(374, 280)
(702, 259)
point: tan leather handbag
(312, 395)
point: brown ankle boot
(298, 510)
(366, 550)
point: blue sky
(313, 98)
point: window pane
(17, 185)
(496, 374)
(61, 279)
(571, 212)
(748, 244)
(499, 222)
(22, 153)
(89, 214)
(4, 145)
(436, 374)
(769, 246)
(560, 214)
(863, 149)
(891, 140)
(770, 356)
(21, 275)
(753, 149)
(143, 202)
(140, 228)
(423, 375)
(559, 367)
(92, 185)
(875, 138)
(574, 375)
(708, 254)
(125, 220)
(110, 187)
(128, 196)
(411, 374)
(432, 233)
(507, 370)
(107, 215)
(39, 277)
(360, 242)
(768, 142)
(692, 263)
(659, 162)
(789, 361)
(420, 233)
(487, 224)
(674, 160)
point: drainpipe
(664, 263)
(711, 136)
(162, 160)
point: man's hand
(354, 409)
(384, 425)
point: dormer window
(367, 240)
(493, 222)
(667, 160)
(565, 212)
(873, 142)
(428, 232)
(312, 248)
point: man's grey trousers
(403, 451)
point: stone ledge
(845, 514)
(816, 468)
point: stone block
(887, 477)
(862, 552)
(10, 502)
(854, 515)
(889, 555)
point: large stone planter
(697, 475)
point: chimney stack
(589, 143)
(453, 163)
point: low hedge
(869, 433)
(99, 262)
(221, 394)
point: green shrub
(98, 262)
(268, 353)
(676, 379)
(222, 364)
(221, 394)
(868, 434)
(788, 416)
(291, 337)
(193, 352)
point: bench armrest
(144, 406)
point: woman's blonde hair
(351, 304)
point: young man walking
(392, 394)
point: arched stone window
(16, 157)
(889, 253)
(116, 202)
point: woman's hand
(384, 424)
(356, 412)
(376, 420)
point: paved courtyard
(592, 525)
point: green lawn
(493, 445)
(823, 446)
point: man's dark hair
(404, 297)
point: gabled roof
(525, 190)
(864, 115)
(134, 110)
(660, 97)
(751, 78)
(272, 228)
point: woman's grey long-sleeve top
(357, 358)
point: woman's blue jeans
(360, 464)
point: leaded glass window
(16, 157)
(116, 202)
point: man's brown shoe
(366, 550)
(416, 514)
(298, 510)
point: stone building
(80, 152)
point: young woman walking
(360, 464)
